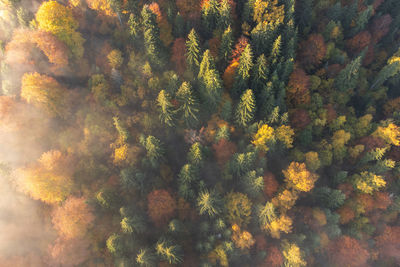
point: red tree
(161, 206)
(274, 257)
(298, 88)
(239, 47)
(270, 184)
(388, 243)
(223, 151)
(312, 51)
(359, 42)
(178, 55)
(347, 251)
(380, 27)
(299, 118)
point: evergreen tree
(224, 19)
(210, 15)
(348, 77)
(195, 155)
(211, 89)
(193, 50)
(207, 63)
(165, 108)
(225, 49)
(152, 41)
(179, 26)
(154, 150)
(265, 101)
(133, 225)
(209, 203)
(167, 251)
(391, 69)
(145, 258)
(245, 109)
(188, 104)
(259, 74)
(243, 71)
(253, 184)
(276, 51)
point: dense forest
(242, 133)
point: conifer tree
(145, 258)
(210, 15)
(195, 155)
(245, 109)
(276, 50)
(259, 74)
(348, 77)
(188, 105)
(209, 203)
(224, 19)
(165, 108)
(152, 41)
(243, 71)
(169, 252)
(225, 49)
(193, 50)
(207, 63)
(154, 149)
(391, 69)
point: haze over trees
(201, 133)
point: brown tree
(388, 244)
(178, 55)
(73, 218)
(270, 184)
(347, 251)
(380, 27)
(161, 206)
(298, 88)
(359, 42)
(223, 151)
(312, 51)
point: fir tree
(188, 104)
(167, 251)
(348, 77)
(193, 50)
(243, 71)
(225, 49)
(245, 109)
(165, 108)
(145, 258)
(224, 19)
(209, 203)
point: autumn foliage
(298, 88)
(347, 251)
(312, 51)
(161, 206)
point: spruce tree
(225, 49)
(210, 16)
(188, 109)
(145, 258)
(152, 41)
(209, 203)
(193, 50)
(165, 108)
(348, 77)
(243, 71)
(224, 19)
(245, 109)
(169, 252)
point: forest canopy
(200, 133)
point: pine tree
(265, 101)
(188, 104)
(193, 50)
(391, 69)
(195, 155)
(145, 258)
(152, 41)
(165, 108)
(179, 26)
(209, 203)
(243, 71)
(224, 19)
(245, 109)
(211, 89)
(276, 50)
(348, 77)
(253, 184)
(207, 63)
(225, 49)
(210, 15)
(167, 251)
(133, 225)
(259, 74)
(154, 149)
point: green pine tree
(348, 77)
(165, 108)
(245, 109)
(225, 49)
(189, 107)
(243, 71)
(193, 50)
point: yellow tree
(264, 136)
(285, 134)
(390, 133)
(57, 19)
(242, 239)
(293, 255)
(268, 12)
(44, 92)
(299, 178)
(238, 206)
